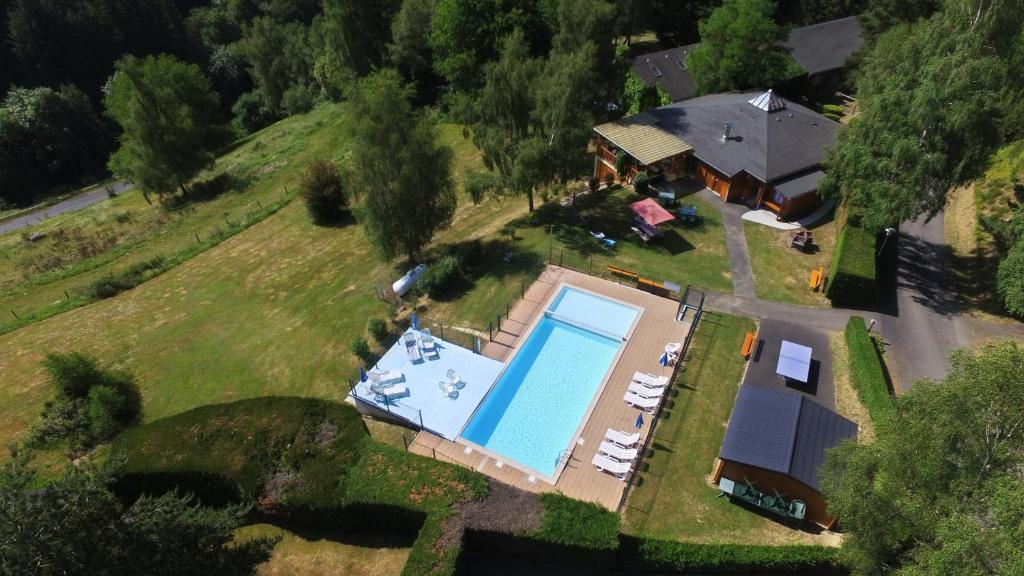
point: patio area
(441, 414)
(656, 327)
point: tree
(1010, 279)
(932, 99)
(280, 59)
(675, 22)
(409, 51)
(170, 120)
(399, 170)
(322, 190)
(939, 490)
(741, 47)
(881, 15)
(75, 524)
(467, 34)
(357, 32)
(48, 138)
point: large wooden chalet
(756, 148)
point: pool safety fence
(698, 312)
(494, 326)
(602, 267)
(582, 325)
(393, 408)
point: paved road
(926, 322)
(69, 205)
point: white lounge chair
(455, 379)
(618, 452)
(638, 401)
(384, 394)
(672, 349)
(621, 438)
(427, 343)
(448, 389)
(611, 466)
(646, 391)
(412, 347)
(650, 380)
(385, 378)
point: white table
(794, 361)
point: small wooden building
(777, 441)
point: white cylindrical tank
(403, 284)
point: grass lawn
(80, 247)
(673, 499)
(314, 555)
(272, 310)
(780, 272)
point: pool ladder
(563, 456)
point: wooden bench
(748, 345)
(817, 276)
(652, 287)
(623, 272)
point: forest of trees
(266, 59)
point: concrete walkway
(735, 242)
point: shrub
(1010, 280)
(250, 113)
(113, 284)
(360, 348)
(577, 523)
(378, 329)
(74, 374)
(852, 278)
(664, 556)
(439, 276)
(622, 161)
(298, 99)
(866, 371)
(323, 192)
(641, 183)
(479, 184)
(106, 409)
(832, 109)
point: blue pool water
(532, 412)
(606, 316)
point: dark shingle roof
(799, 185)
(767, 145)
(783, 432)
(817, 48)
(826, 46)
(674, 79)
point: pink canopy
(651, 212)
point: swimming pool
(535, 409)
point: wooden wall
(789, 487)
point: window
(656, 71)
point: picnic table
(688, 214)
(802, 241)
(794, 361)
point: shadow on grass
(494, 258)
(207, 190)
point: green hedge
(866, 370)
(577, 523)
(669, 557)
(852, 280)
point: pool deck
(657, 326)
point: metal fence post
(490, 331)
(522, 289)
(506, 310)
(591, 272)
(561, 254)
(499, 322)
(420, 412)
(442, 331)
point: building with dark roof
(821, 50)
(757, 148)
(777, 441)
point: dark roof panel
(767, 145)
(825, 46)
(783, 432)
(674, 78)
(799, 185)
(762, 429)
(819, 429)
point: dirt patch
(506, 509)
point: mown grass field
(674, 499)
(781, 273)
(319, 555)
(273, 309)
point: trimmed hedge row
(577, 523)
(669, 557)
(866, 370)
(852, 281)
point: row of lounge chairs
(645, 391)
(617, 453)
(386, 385)
(416, 348)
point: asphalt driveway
(820, 386)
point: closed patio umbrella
(664, 359)
(639, 421)
(362, 374)
(415, 322)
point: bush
(378, 329)
(74, 374)
(866, 371)
(360, 348)
(852, 278)
(111, 285)
(106, 409)
(478, 184)
(577, 523)
(298, 99)
(1010, 280)
(622, 161)
(251, 113)
(641, 183)
(832, 109)
(439, 276)
(323, 192)
(664, 556)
